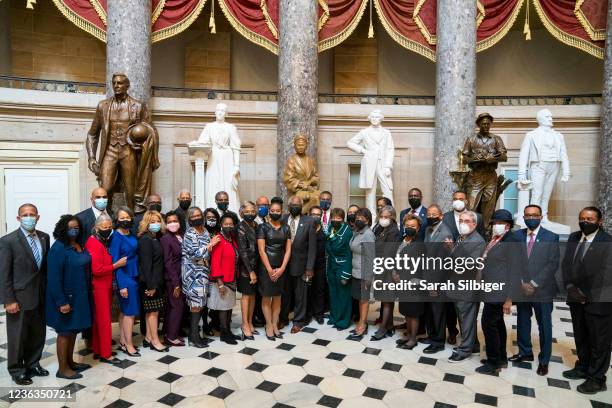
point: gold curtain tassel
(371, 28)
(526, 29)
(211, 22)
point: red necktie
(530, 244)
(324, 217)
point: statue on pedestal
(543, 154)
(376, 145)
(129, 144)
(301, 176)
(482, 152)
(223, 168)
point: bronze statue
(301, 177)
(128, 142)
(482, 152)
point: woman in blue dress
(67, 303)
(125, 244)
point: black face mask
(410, 232)
(360, 224)
(275, 216)
(184, 204)
(196, 222)
(295, 210)
(350, 218)
(336, 224)
(588, 228)
(125, 224)
(414, 202)
(223, 205)
(433, 221)
(227, 231)
(249, 217)
(105, 233)
(155, 207)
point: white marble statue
(223, 168)
(543, 154)
(376, 145)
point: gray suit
(22, 281)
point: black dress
(151, 263)
(414, 305)
(276, 242)
(249, 257)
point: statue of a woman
(301, 177)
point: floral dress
(195, 267)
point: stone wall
(36, 117)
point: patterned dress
(195, 267)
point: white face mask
(464, 229)
(498, 229)
(458, 205)
(384, 222)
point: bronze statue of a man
(128, 142)
(482, 152)
(301, 177)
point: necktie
(530, 244)
(325, 217)
(494, 241)
(580, 250)
(292, 226)
(35, 251)
(413, 211)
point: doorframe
(61, 156)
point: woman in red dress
(102, 268)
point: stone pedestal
(524, 199)
(128, 45)
(198, 153)
(605, 143)
(297, 80)
(455, 91)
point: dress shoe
(296, 329)
(519, 358)
(409, 345)
(80, 367)
(37, 371)
(574, 374)
(227, 337)
(488, 368)
(503, 364)
(542, 369)
(425, 340)
(74, 376)
(591, 387)
(456, 358)
(432, 349)
(319, 319)
(452, 339)
(113, 360)
(22, 379)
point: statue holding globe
(128, 144)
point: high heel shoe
(145, 343)
(164, 350)
(272, 337)
(379, 336)
(124, 349)
(245, 337)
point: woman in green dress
(339, 267)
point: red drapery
(412, 23)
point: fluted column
(455, 90)
(605, 143)
(128, 45)
(297, 79)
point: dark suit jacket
(304, 246)
(151, 262)
(422, 215)
(20, 278)
(88, 222)
(593, 274)
(435, 247)
(543, 263)
(500, 267)
(449, 220)
(472, 247)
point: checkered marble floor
(317, 367)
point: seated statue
(301, 177)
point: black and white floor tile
(319, 367)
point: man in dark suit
(587, 276)
(99, 202)
(415, 199)
(436, 234)
(301, 265)
(23, 271)
(184, 200)
(538, 260)
(451, 218)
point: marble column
(297, 80)
(455, 91)
(605, 143)
(128, 45)
(5, 38)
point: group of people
(186, 266)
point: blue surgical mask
(532, 223)
(28, 223)
(324, 204)
(73, 232)
(155, 227)
(262, 211)
(100, 203)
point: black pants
(26, 333)
(435, 322)
(294, 296)
(316, 294)
(494, 330)
(451, 319)
(593, 335)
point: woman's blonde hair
(147, 218)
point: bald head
(262, 200)
(99, 198)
